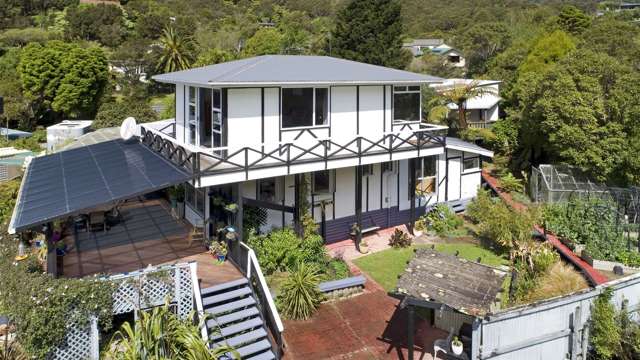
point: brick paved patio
(367, 326)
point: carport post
(52, 257)
(410, 329)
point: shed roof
(270, 70)
(461, 145)
(425, 42)
(465, 286)
(94, 137)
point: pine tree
(370, 31)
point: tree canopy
(370, 31)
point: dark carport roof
(75, 181)
(443, 279)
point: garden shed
(458, 291)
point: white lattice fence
(138, 290)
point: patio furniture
(97, 221)
(80, 223)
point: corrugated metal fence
(549, 330)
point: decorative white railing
(233, 158)
(137, 290)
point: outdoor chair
(443, 345)
(97, 221)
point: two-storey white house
(255, 130)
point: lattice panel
(139, 290)
(77, 344)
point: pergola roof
(466, 286)
(77, 180)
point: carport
(73, 182)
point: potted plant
(219, 250)
(456, 346)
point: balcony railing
(229, 159)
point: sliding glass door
(205, 118)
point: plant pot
(456, 348)
(221, 258)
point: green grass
(385, 266)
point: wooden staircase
(236, 320)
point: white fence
(555, 329)
(137, 290)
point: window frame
(406, 91)
(332, 182)
(276, 195)
(195, 123)
(388, 167)
(313, 116)
(367, 170)
(419, 179)
(476, 164)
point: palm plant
(160, 334)
(299, 296)
(457, 94)
(175, 51)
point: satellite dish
(128, 129)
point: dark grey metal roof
(465, 286)
(457, 144)
(94, 137)
(77, 180)
(293, 70)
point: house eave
(253, 84)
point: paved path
(366, 326)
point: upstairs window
(406, 103)
(305, 107)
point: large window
(195, 198)
(322, 182)
(406, 103)
(426, 171)
(304, 107)
(471, 164)
(204, 122)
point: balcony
(215, 166)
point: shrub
(481, 207)
(112, 114)
(336, 269)
(605, 333)
(278, 251)
(161, 332)
(486, 137)
(400, 239)
(442, 220)
(559, 279)
(509, 183)
(299, 295)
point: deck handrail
(252, 260)
(193, 268)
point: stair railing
(270, 314)
(193, 267)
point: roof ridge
(244, 67)
(383, 67)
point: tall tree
(370, 31)
(573, 20)
(265, 41)
(63, 77)
(176, 51)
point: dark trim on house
(358, 110)
(367, 192)
(279, 113)
(384, 108)
(262, 117)
(446, 174)
(225, 116)
(381, 185)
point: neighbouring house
(63, 133)
(482, 111)
(340, 140)
(12, 162)
(13, 134)
(452, 57)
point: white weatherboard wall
(371, 114)
(544, 331)
(343, 114)
(454, 160)
(244, 114)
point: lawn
(385, 266)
